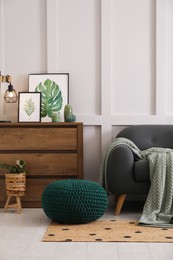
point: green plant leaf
(10, 168)
(51, 97)
(29, 106)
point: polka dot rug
(107, 231)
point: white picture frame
(29, 107)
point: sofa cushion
(141, 171)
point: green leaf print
(29, 107)
(51, 97)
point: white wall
(133, 57)
(24, 44)
(118, 53)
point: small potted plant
(15, 180)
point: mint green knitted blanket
(158, 207)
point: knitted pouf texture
(74, 201)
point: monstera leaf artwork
(51, 97)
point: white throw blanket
(158, 208)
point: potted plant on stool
(15, 182)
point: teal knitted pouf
(74, 201)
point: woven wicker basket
(15, 183)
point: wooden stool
(17, 206)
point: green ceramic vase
(67, 111)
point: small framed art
(29, 107)
(54, 89)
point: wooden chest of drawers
(53, 151)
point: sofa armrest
(120, 170)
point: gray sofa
(125, 174)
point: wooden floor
(21, 236)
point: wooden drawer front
(44, 164)
(38, 138)
(36, 188)
(2, 190)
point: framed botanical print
(54, 89)
(29, 107)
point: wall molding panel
(52, 36)
(160, 56)
(2, 57)
(106, 64)
(106, 127)
(107, 120)
(106, 52)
